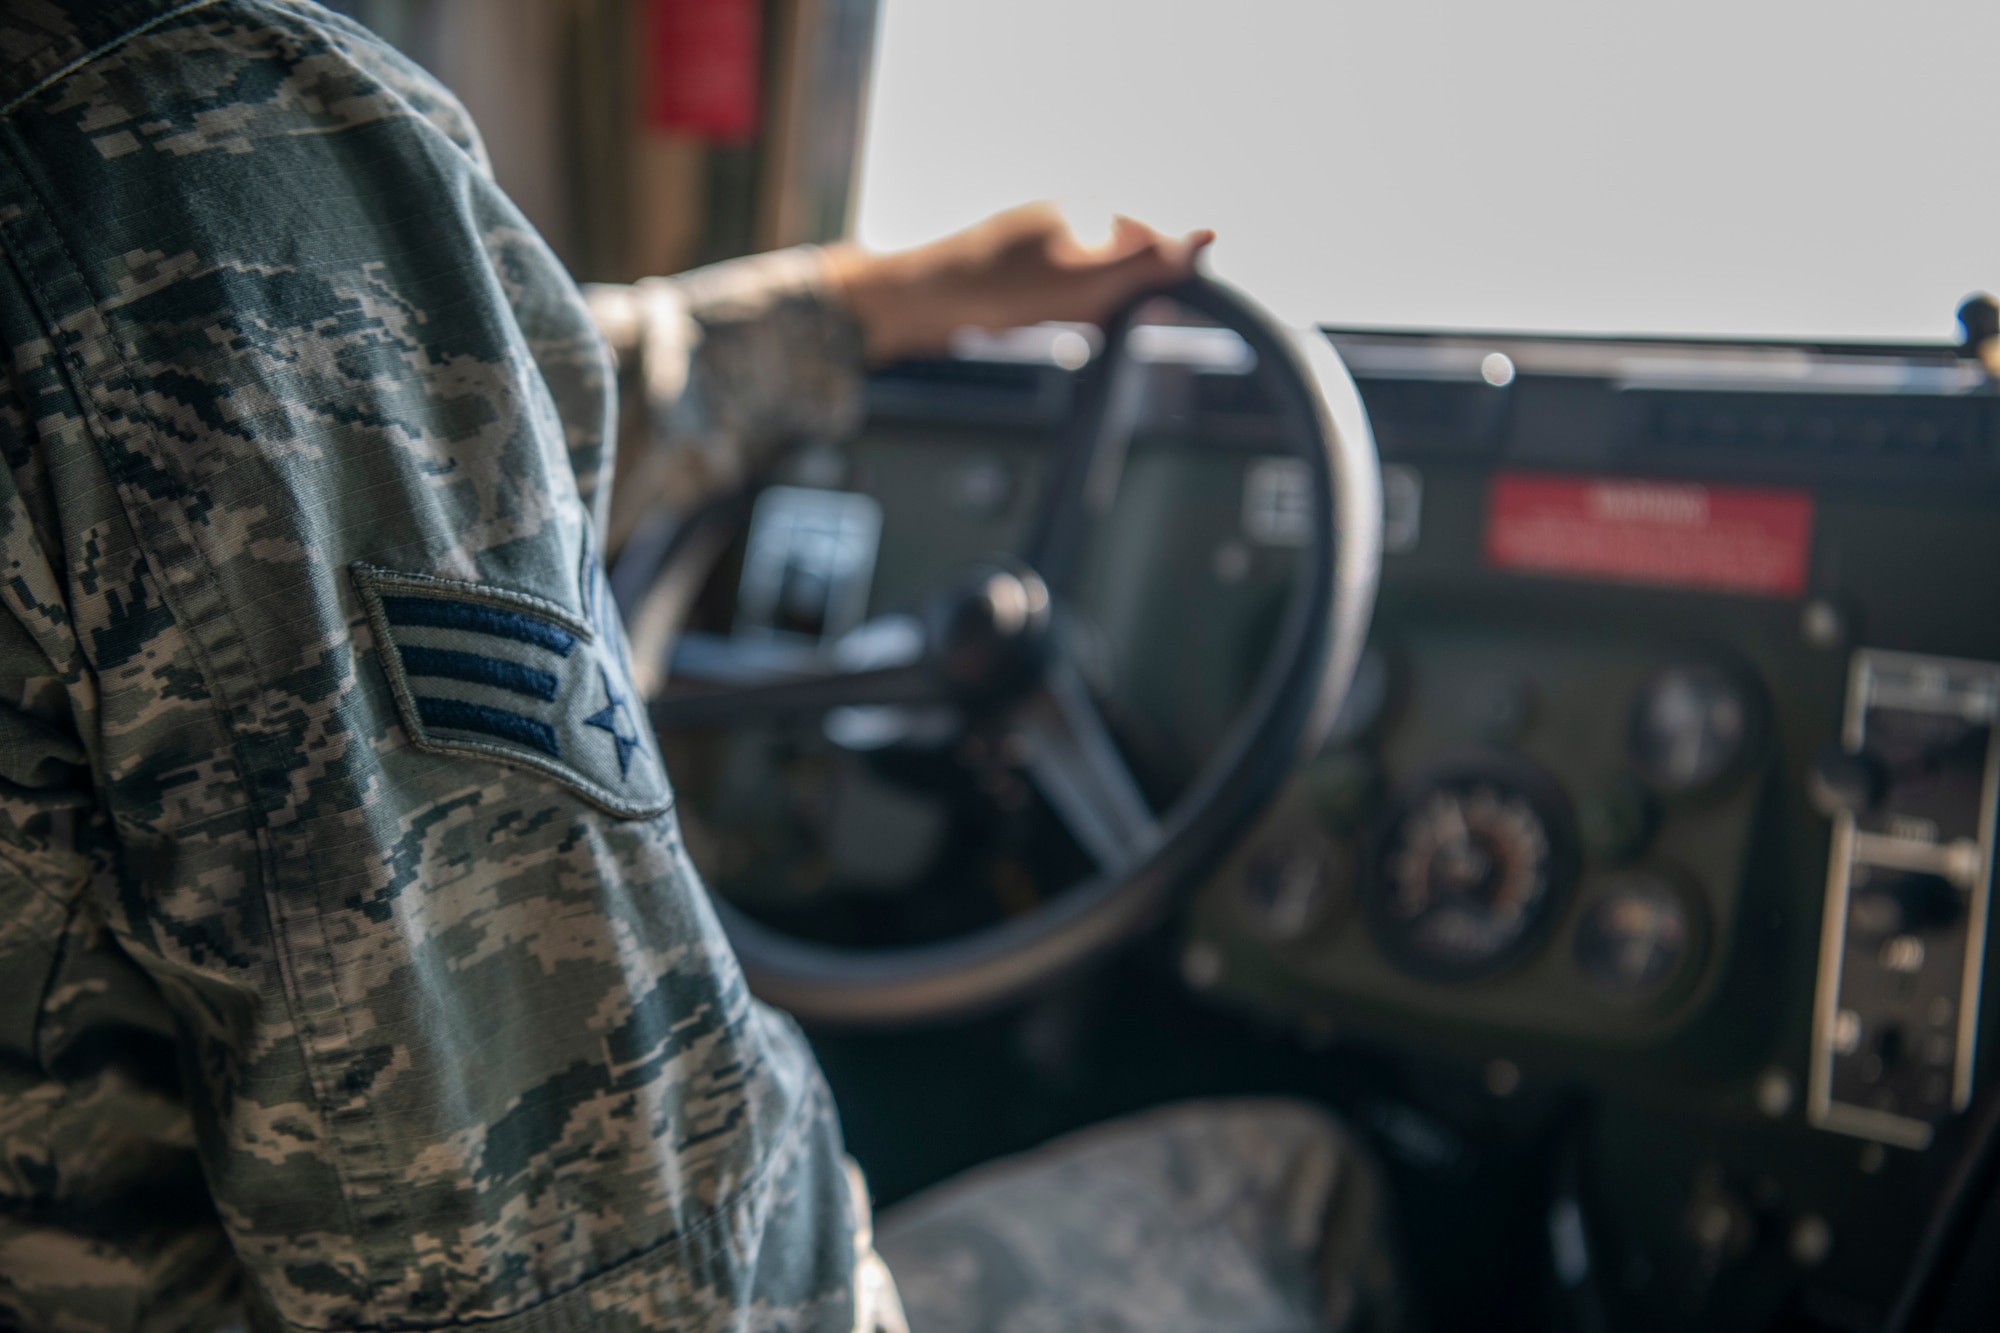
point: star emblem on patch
(612, 718)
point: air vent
(1832, 434)
(1429, 418)
(1230, 395)
(998, 392)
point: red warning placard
(1678, 534)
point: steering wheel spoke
(1081, 489)
(797, 696)
(1076, 765)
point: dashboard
(1659, 818)
(1679, 783)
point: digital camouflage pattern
(296, 1011)
(350, 975)
(1246, 1216)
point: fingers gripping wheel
(1000, 650)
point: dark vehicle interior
(1578, 907)
(1571, 758)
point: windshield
(1818, 169)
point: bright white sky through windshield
(1813, 168)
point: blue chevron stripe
(480, 670)
(479, 618)
(458, 715)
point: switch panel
(1902, 947)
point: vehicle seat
(1201, 1217)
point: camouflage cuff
(878, 1306)
(732, 362)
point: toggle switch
(1845, 783)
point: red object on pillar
(702, 65)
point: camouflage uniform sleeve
(356, 968)
(721, 366)
(91, 1116)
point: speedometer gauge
(1469, 869)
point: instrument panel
(1677, 800)
(1660, 815)
(1645, 576)
(1541, 834)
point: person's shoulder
(41, 40)
(226, 64)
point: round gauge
(1690, 726)
(1636, 934)
(1469, 869)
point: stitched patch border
(394, 597)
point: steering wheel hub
(992, 633)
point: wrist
(891, 297)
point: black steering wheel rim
(1288, 715)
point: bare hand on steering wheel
(1018, 267)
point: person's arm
(329, 808)
(719, 366)
(104, 1218)
(1019, 267)
(725, 363)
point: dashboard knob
(1888, 903)
(1292, 888)
(1877, 916)
(1889, 1054)
(1842, 782)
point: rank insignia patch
(518, 679)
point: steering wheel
(996, 646)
